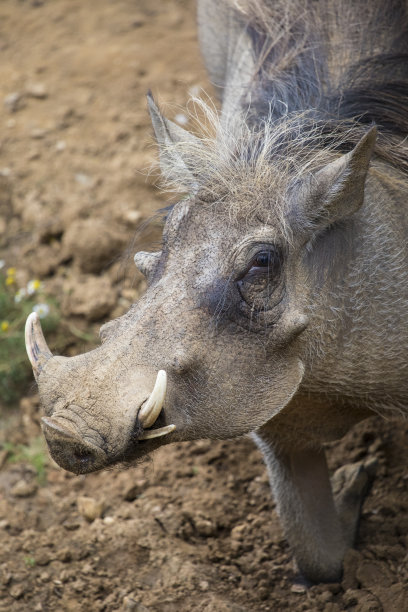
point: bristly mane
(347, 59)
(323, 71)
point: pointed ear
(337, 190)
(168, 136)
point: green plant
(15, 305)
(34, 453)
(29, 561)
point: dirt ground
(194, 528)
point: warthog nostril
(69, 450)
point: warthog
(277, 306)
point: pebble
(204, 586)
(60, 145)
(24, 489)
(38, 133)
(13, 101)
(89, 508)
(36, 90)
(298, 588)
(205, 527)
(17, 591)
(83, 179)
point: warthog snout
(71, 451)
(79, 437)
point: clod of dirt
(89, 508)
(90, 297)
(36, 90)
(24, 489)
(92, 244)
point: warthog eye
(261, 279)
(263, 260)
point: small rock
(89, 508)
(38, 133)
(83, 179)
(205, 527)
(298, 588)
(24, 489)
(36, 90)
(13, 102)
(61, 145)
(17, 591)
(109, 520)
(204, 586)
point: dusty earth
(194, 528)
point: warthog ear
(337, 190)
(173, 155)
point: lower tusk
(36, 346)
(156, 433)
(151, 409)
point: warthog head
(214, 349)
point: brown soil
(194, 528)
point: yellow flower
(33, 286)
(4, 326)
(11, 271)
(10, 280)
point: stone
(89, 508)
(22, 488)
(36, 90)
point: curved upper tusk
(152, 407)
(36, 346)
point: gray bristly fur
(284, 166)
(340, 64)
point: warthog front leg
(320, 527)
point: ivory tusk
(156, 433)
(152, 407)
(36, 346)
